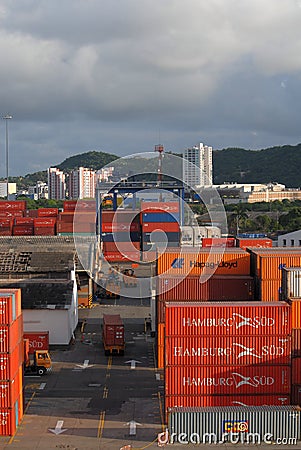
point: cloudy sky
(121, 75)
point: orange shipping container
(228, 261)
(296, 314)
(256, 242)
(10, 335)
(160, 356)
(11, 362)
(296, 342)
(10, 305)
(296, 370)
(10, 390)
(10, 418)
(267, 263)
(160, 345)
(269, 290)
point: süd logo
(235, 426)
(177, 263)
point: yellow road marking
(101, 423)
(109, 363)
(105, 392)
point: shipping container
(198, 234)
(149, 256)
(121, 257)
(296, 342)
(181, 288)
(10, 419)
(16, 205)
(10, 305)
(10, 335)
(159, 217)
(254, 242)
(23, 221)
(226, 350)
(262, 423)
(158, 246)
(10, 390)
(291, 283)
(10, 362)
(22, 230)
(38, 340)
(296, 370)
(205, 401)
(231, 288)
(296, 395)
(267, 263)
(204, 261)
(186, 235)
(113, 334)
(31, 213)
(218, 242)
(109, 227)
(122, 247)
(213, 232)
(121, 237)
(296, 314)
(170, 207)
(170, 227)
(48, 212)
(269, 290)
(44, 222)
(11, 214)
(44, 231)
(160, 236)
(227, 380)
(224, 318)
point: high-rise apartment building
(197, 165)
(56, 184)
(82, 183)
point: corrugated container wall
(291, 283)
(275, 422)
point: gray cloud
(80, 75)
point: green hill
(281, 164)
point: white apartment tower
(197, 166)
(56, 184)
(82, 183)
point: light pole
(7, 117)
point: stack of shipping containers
(266, 265)
(121, 235)
(291, 292)
(9, 211)
(227, 354)
(11, 356)
(160, 223)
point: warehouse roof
(42, 293)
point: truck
(36, 363)
(129, 278)
(113, 334)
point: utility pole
(7, 117)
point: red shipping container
(170, 227)
(22, 230)
(222, 319)
(44, 231)
(113, 329)
(11, 214)
(9, 420)
(62, 227)
(218, 242)
(10, 335)
(19, 205)
(5, 232)
(228, 288)
(44, 222)
(10, 390)
(170, 207)
(66, 217)
(296, 342)
(121, 247)
(229, 380)
(226, 350)
(296, 370)
(203, 401)
(24, 221)
(10, 305)
(38, 340)
(256, 242)
(119, 257)
(48, 212)
(69, 205)
(6, 223)
(11, 362)
(108, 227)
(296, 395)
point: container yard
(217, 342)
